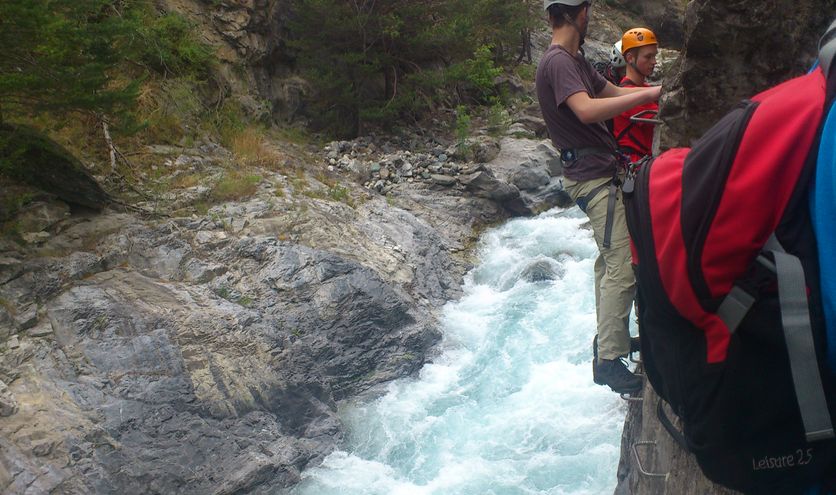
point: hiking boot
(615, 374)
(635, 346)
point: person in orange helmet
(639, 48)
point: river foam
(508, 407)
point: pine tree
(59, 56)
(384, 60)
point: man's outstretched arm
(613, 101)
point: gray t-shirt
(559, 76)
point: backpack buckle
(745, 292)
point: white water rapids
(509, 406)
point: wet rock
(663, 456)
(7, 324)
(665, 17)
(479, 149)
(511, 85)
(539, 271)
(531, 125)
(153, 367)
(26, 317)
(42, 330)
(198, 272)
(35, 237)
(533, 167)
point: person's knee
(619, 259)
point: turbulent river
(508, 407)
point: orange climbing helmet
(637, 37)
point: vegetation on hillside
(81, 72)
(89, 56)
(104, 77)
(385, 61)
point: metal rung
(639, 461)
(630, 398)
(646, 121)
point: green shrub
(463, 121)
(477, 74)
(499, 120)
(167, 44)
(235, 185)
(60, 57)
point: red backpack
(732, 328)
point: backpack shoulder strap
(795, 316)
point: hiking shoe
(635, 346)
(615, 374)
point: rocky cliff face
(186, 357)
(732, 50)
(207, 354)
(249, 37)
(652, 463)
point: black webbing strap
(570, 155)
(677, 435)
(610, 212)
(583, 204)
(574, 154)
(624, 132)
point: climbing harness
(570, 155)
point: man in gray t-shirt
(575, 101)
(559, 76)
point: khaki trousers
(615, 283)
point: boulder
(44, 164)
(484, 185)
(530, 179)
(540, 270)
